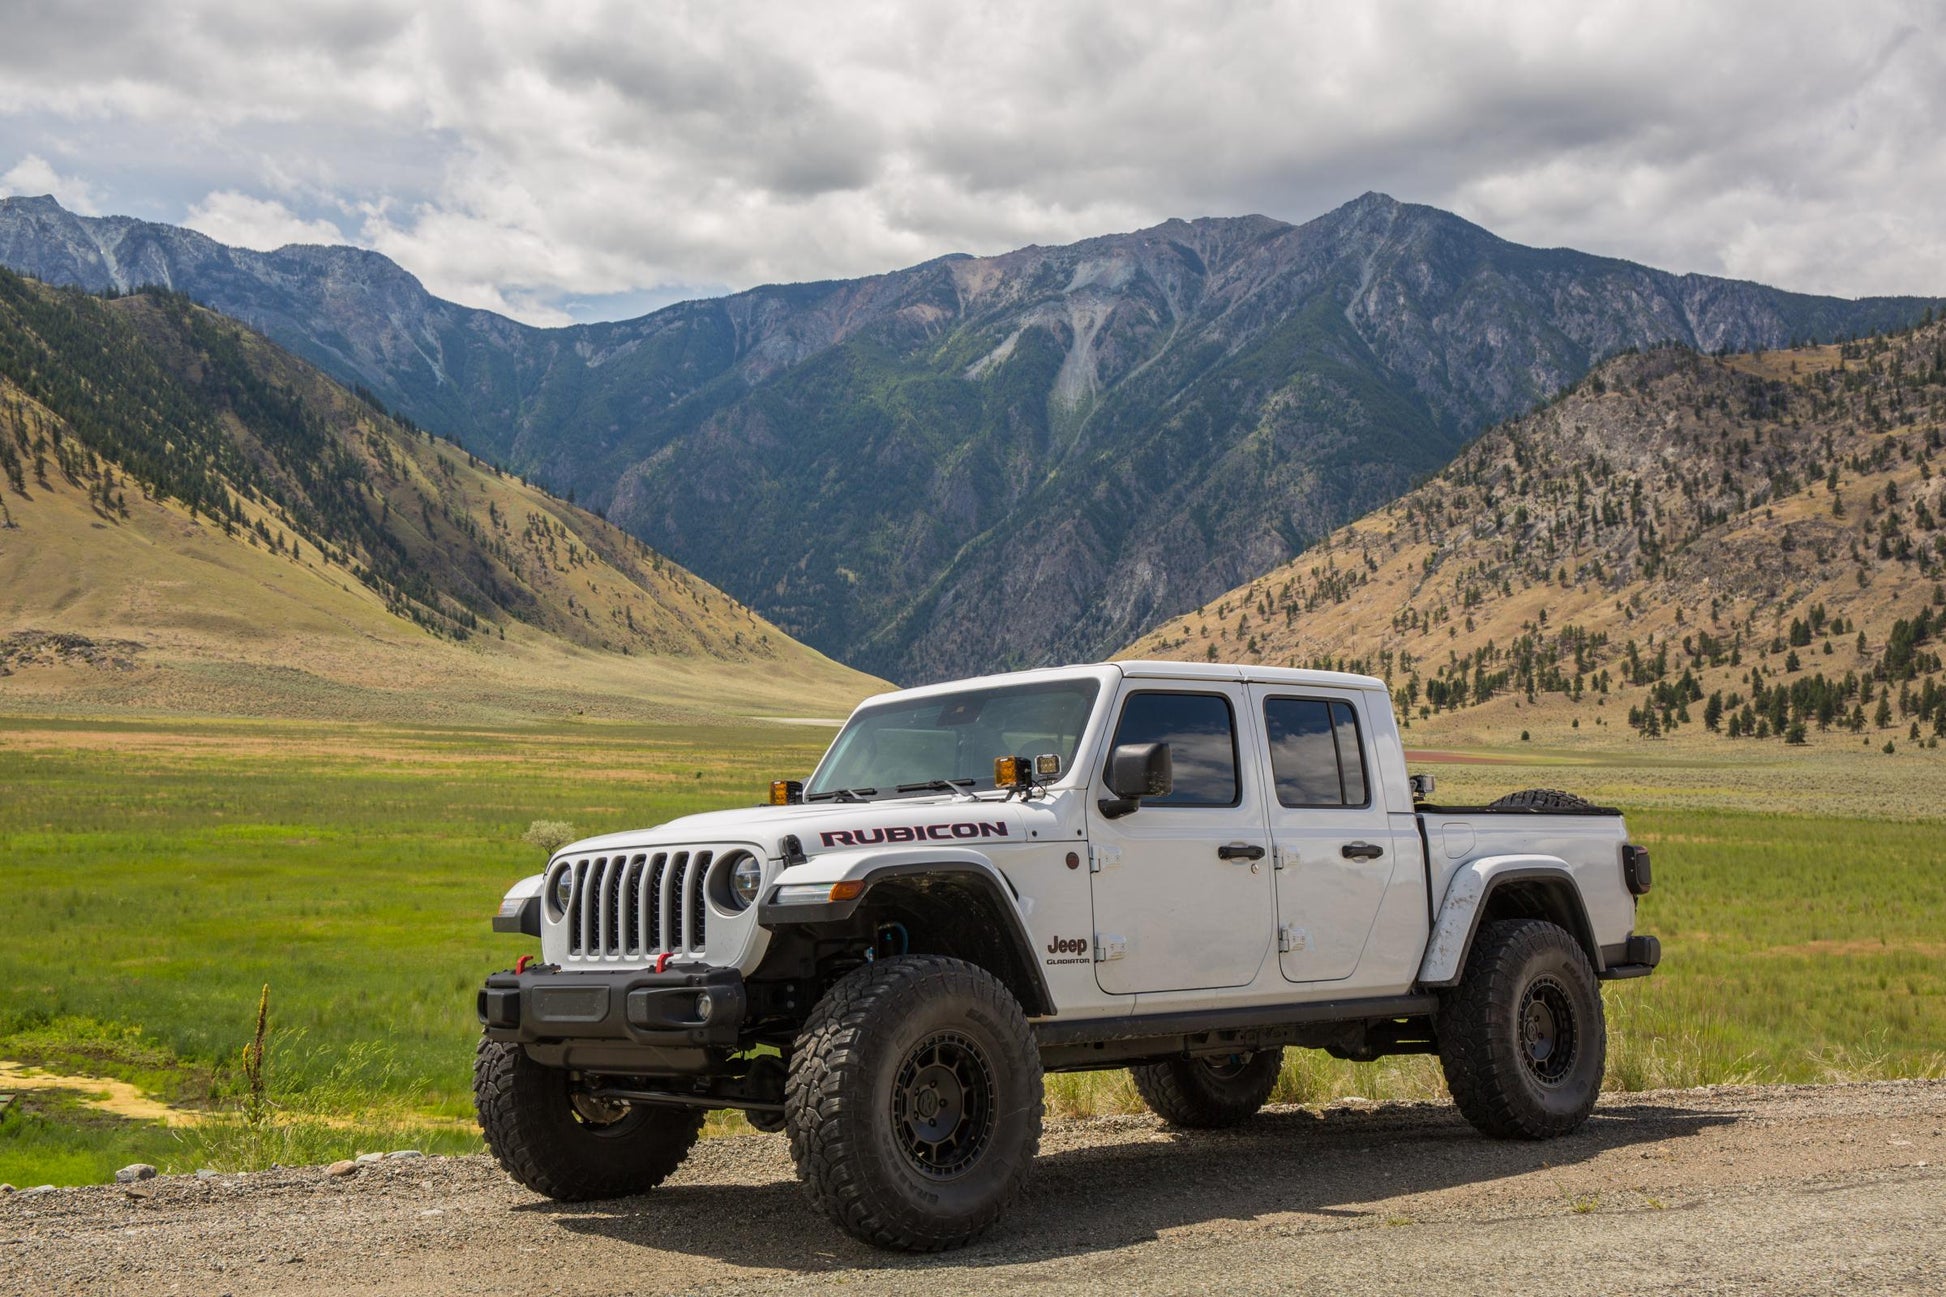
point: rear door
(1182, 886)
(1334, 850)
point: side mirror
(1135, 771)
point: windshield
(884, 751)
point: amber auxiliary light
(786, 792)
(1022, 772)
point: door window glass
(1201, 733)
(1351, 754)
(1315, 754)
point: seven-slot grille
(638, 903)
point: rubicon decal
(913, 833)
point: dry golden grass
(225, 626)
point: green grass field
(161, 873)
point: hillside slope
(986, 462)
(192, 519)
(1749, 546)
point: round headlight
(563, 890)
(746, 880)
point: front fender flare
(1466, 900)
(520, 909)
(872, 868)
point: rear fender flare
(1467, 900)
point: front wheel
(1209, 1093)
(550, 1134)
(1521, 1038)
(914, 1102)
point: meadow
(161, 873)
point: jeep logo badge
(1068, 950)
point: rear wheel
(914, 1102)
(548, 1132)
(1209, 1093)
(1521, 1038)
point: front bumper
(678, 1007)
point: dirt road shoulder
(1727, 1189)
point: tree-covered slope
(1752, 546)
(170, 480)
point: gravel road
(1773, 1190)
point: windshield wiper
(934, 786)
(842, 795)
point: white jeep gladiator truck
(1179, 869)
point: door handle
(1239, 851)
(1361, 851)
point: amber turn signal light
(786, 792)
(850, 891)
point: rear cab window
(1317, 757)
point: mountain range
(981, 463)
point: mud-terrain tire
(1209, 1093)
(1522, 1039)
(571, 1153)
(914, 1101)
(1540, 799)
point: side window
(1351, 754)
(1201, 732)
(1315, 753)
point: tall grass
(336, 1114)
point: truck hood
(828, 826)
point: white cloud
(33, 176)
(262, 223)
(521, 155)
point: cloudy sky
(594, 160)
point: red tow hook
(662, 961)
(520, 965)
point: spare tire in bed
(1540, 799)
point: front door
(1329, 826)
(1182, 887)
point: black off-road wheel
(1540, 799)
(913, 1103)
(1209, 1093)
(1522, 1038)
(546, 1132)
